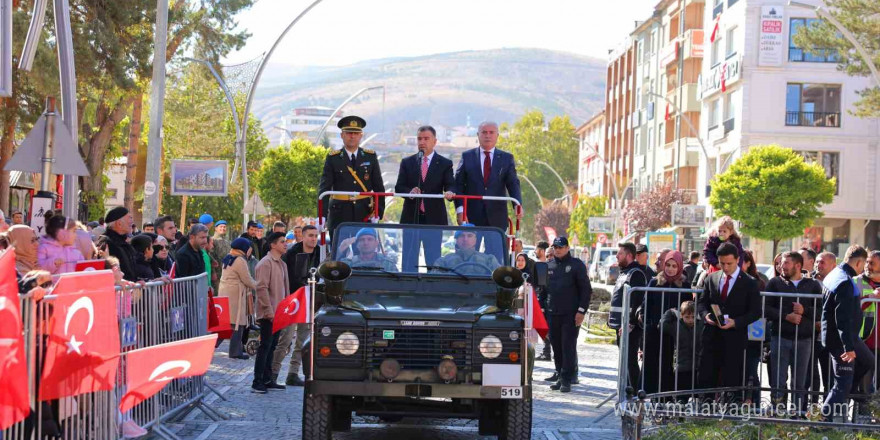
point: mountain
(441, 89)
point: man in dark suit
(426, 172)
(487, 171)
(724, 337)
(351, 169)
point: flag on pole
(149, 369)
(535, 317)
(14, 405)
(715, 28)
(666, 117)
(82, 351)
(219, 307)
(295, 309)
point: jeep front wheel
(317, 413)
(517, 420)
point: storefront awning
(21, 179)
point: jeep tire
(516, 420)
(317, 417)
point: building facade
(791, 98)
(591, 166)
(305, 122)
(620, 100)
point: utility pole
(157, 115)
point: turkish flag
(82, 350)
(715, 29)
(724, 77)
(535, 317)
(551, 233)
(149, 369)
(14, 405)
(213, 313)
(220, 309)
(295, 309)
(666, 117)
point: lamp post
(607, 168)
(344, 103)
(535, 189)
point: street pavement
(277, 415)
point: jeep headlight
(491, 347)
(347, 343)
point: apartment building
(591, 165)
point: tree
(289, 178)
(823, 38)
(556, 216)
(533, 139)
(586, 207)
(772, 192)
(652, 209)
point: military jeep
(434, 339)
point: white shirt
(482, 152)
(733, 278)
(796, 282)
(351, 156)
(429, 157)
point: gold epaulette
(369, 151)
(335, 152)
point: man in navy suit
(426, 172)
(487, 171)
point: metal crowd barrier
(153, 314)
(790, 397)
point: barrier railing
(664, 368)
(152, 314)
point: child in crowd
(680, 325)
(57, 252)
(722, 231)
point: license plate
(511, 393)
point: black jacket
(655, 304)
(144, 268)
(773, 305)
(688, 339)
(121, 249)
(257, 251)
(743, 303)
(438, 181)
(568, 289)
(690, 272)
(841, 313)
(632, 276)
(189, 262)
(289, 258)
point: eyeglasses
(159, 248)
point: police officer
(351, 169)
(569, 293)
(632, 274)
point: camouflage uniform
(452, 260)
(380, 261)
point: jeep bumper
(376, 389)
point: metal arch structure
(231, 102)
(250, 99)
(338, 109)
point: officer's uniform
(380, 261)
(358, 174)
(632, 276)
(568, 293)
(469, 256)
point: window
(829, 161)
(718, 8)
(729, 112)
(716, 52)
(651, 137)
(730, 47)
(714, 113)
(812, 105)
(731, 3)
(796, 54)
(640, 148)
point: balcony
(812, 119)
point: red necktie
(487, 169)
(424, 176)
(725, 288)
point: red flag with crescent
(149, 369)
(292, 310)
(14, 405)
(82, 351)
(535, 317)
(715, 29)
(220, 309)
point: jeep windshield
(398, 250)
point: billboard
(199, 178)
(773, 42)
(601, 224)
(656, 241)
(693, 216)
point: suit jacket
(743, 302)
(336, 176)
(438, 181)
(503, 182)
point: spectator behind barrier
(26, 244)
(57, 253)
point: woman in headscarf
(236, 283)
(658, 364)
(26, 244)
(161, 262)
(525, 264)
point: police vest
(614, 317)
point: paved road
(277, 415)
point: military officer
(466, 259)
(568, 299)
(369, 254)
(351, 169)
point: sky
(342, 32)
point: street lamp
(824, 14)
(344, 103)
(534, 188)
(607, 168)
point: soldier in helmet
(351, 169)
(466, 259)
(369, 254)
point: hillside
(442, 89)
